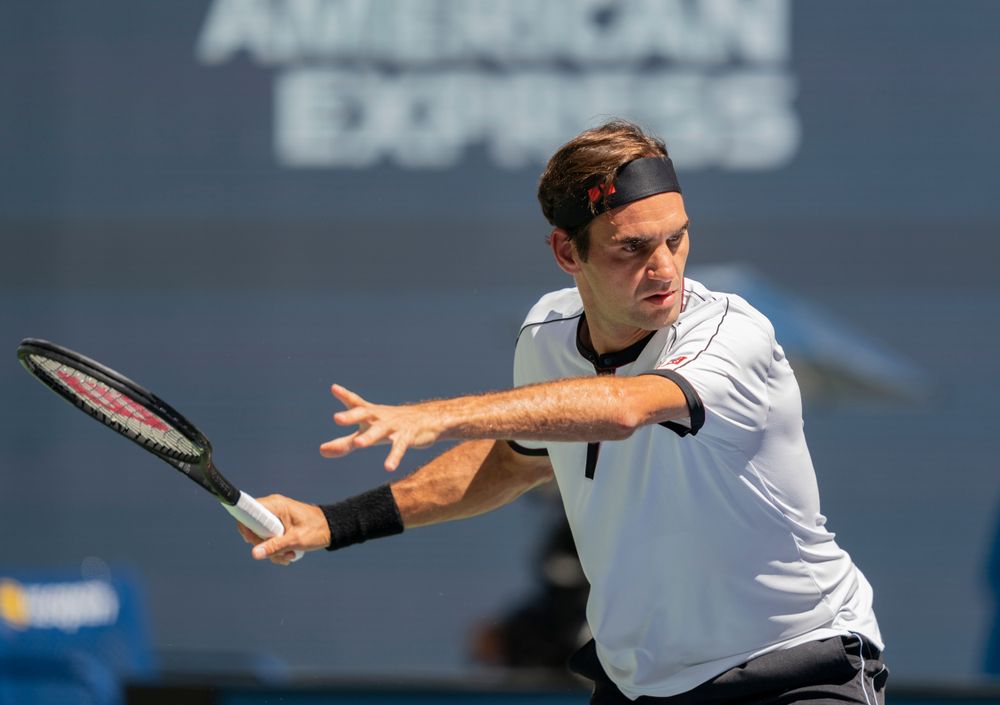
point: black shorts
(840, 670)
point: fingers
(347, 397)
(274, 545)
(283, 558)
(248, 535)
(306, 529)
(281, 553)
(358, 415)
(377, 425)
(372, 436)
(395, 455)
(339, 447)
(360, 412)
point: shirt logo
(676, 360)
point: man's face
(632, 279)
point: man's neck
(602, 344)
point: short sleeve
(527, 370)
(725, 357)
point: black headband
(643, 177)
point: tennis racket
(125, 407)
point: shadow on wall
(833, 364)
(991, 663)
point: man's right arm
(472, 478)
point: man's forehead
(661, 209)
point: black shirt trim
(593, 451)
(605, 365)
(542, 323)
(518, 448)
(612, 360)
(695, 408)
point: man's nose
(661, 264)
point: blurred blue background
(237, 203)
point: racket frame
(199, 468)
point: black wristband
(369, 515)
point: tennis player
(671, 419)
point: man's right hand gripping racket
(125, 407)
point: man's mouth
(666, 298)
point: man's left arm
(582, 409)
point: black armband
(369, 515)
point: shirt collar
(611, 360)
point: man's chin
(660, 320)
(662, 305)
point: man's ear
(565, 251)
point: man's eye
(631, 247)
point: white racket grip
(256, 517)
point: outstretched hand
(415, 426)
(306, 529)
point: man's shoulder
(546, 344)
(702, 305)
(557, 306)
(725, 319)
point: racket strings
(144, 424)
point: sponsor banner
(417, 82)
(62, 613)
(66, 606)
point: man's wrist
(369, 515)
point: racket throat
(226, 493)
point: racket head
(127, 408)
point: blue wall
(149, 220)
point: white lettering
(338, 118)
(416, 82)
(763, 130)
(234, 25)
(70, 606)
(277, 32)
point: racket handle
(256, 517)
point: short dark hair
(591, 159)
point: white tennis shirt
(702, 539)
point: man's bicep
(665, 396)
(529, 467)
(728, 374)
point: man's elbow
(629, 418)
(643, 401)
(624, 423)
